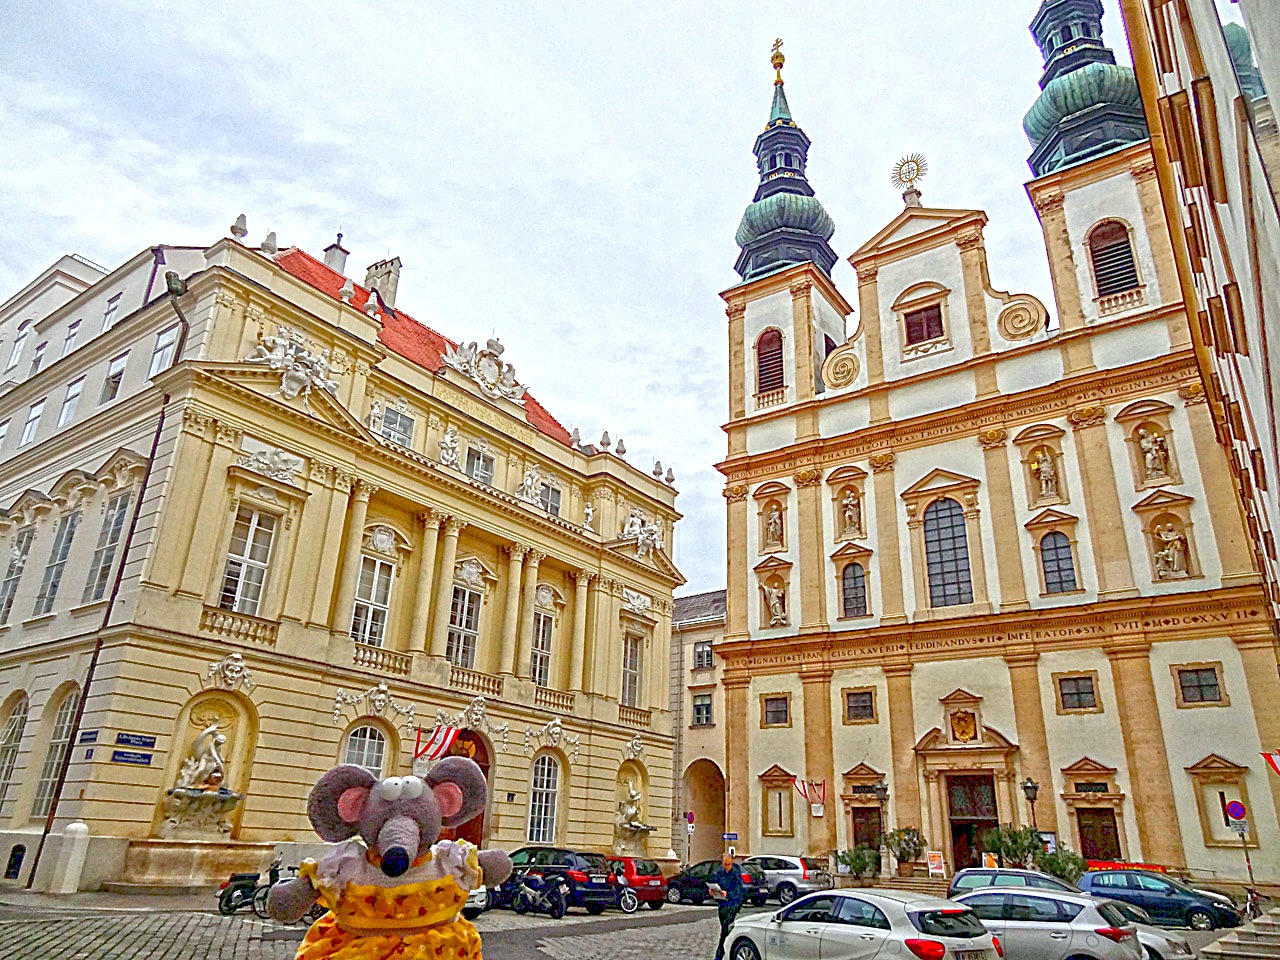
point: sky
(565, 175)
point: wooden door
(1099, 836)
(866, 827)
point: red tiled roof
(403, 335)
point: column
(357, 513)
(738, 780)
(902, 737)
(1220, 491)
(1149, 780)
(1004, 519)
(808, 531)
(525, 649)
(511, 610)
(1028, 714)
(806, 379)
(418, 638)
(337, 486)
(972, 256)
(889, 566)
(738, 593)
(937, 832)
(1258, 657)
(444, 588)
(1077, 354)
(1102, 503)
(819, 760)
(578, 652)
(205, 537)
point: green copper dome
(793, 210)
(1091, 85)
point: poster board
(937, 865)
(989, 861)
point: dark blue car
(1167, 900)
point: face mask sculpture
(399, 892)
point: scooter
(238, 890)
(1252, 903)
(535, 894)
(263, 892)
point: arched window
(786, 159)
(366, 747)
(1055, 559)
(770, 374)
(59, 740)
(946, 548)
(773, 162)
(1114, 269)
(19, 342)
(543, 795)
(853, 590)
(11, 739)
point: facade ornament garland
(274, 463)
(880, 462)
(735, 493)
(230, 673)
(496, 379)
(475, 716)
(551, 734)
(636, 602)
(993, 437)
(374, 702)
(301, 369)
(633, 749)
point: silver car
(789, 877)
(1159, 943)
(1049, 925)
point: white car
(859, 924)
(1158, 942)
(478, 901)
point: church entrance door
(971, 809)
(866, 827)
(1099, 838)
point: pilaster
(972, 257)
(738, 781)
(1028, 714)
(1102, 503)
(1221, 495)
(1077, 352)
(738, 595)
(813, 581)
(819, 759)
(887, 540)
(902, 737)
(1004, 519)
(802, 333)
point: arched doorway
(704, 795)
(471, 744)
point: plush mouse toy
(396, 891)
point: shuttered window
(769, 370)
(1114, 270)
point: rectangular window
(542, 800)
(69, 341)
(479, 466)
(4, 431)
(631, 645)
(1077, 693)
(923, 324)
(549, 497)
(109, 315)
(19, 342)
(373, 601)
(104, 556)
(115, 376)
(32, 423)
(777, 811)
(13, 572)
(777, 711)
(245, 573)
(38, 358)
(859, 706)
(703, 658)
(162, 355)
(464, 627)
(70, 401)
(544, 625)
(1199, 685)
(397, 427)
(57, 563)
(702, 709)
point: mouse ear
(459, 786)
(337, 801)
(449, 796)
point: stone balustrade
(474, 681)
(633, 716)
(558, 700)
(240, 627)
(376, 658)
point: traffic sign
(1241, 827)
(689, 817)
(1236, 810)
(691, 828)
(728, 836)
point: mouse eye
(390, 788)
(413, 788)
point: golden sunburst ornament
(908, 170)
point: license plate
(599, 878)
(655, 883)
(971, 955)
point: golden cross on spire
(777, 59)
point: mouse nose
(395, 861)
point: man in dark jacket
(729, 879)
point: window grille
(1114, 269)
(542, 800)
(58, 742)
(946, 547)
(105, 554)
(1057, 563)
(853, 586)
(57, 563)
(366, 747)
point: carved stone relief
(300, 366)
(495, 378)
(374, 702)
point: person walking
(729, 900)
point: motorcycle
(1252, 903)
(628, 902)
(535, 894)
(238, 891)
(261, 893)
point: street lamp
(881, 791)
(1032, 790)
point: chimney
(335, 256)
(385, 276)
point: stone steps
(1259, 940)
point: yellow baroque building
(284, 525)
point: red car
(640, 877)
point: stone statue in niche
(1155, 454)
(205, 767)
(588, 515)
(199, 802)
(1044, 470)
(776, 599)
(1171, 554)
(773, 527)
(530, 485)
(375, 416)
(450, 449)
(851, 514)
(634, 523)
(630, 832)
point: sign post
(1237, 820)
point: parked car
(1166, 899)
(1159, 943)
(861, 924)
(585, 875)
(1053, 925)
(789, 877)
(642, 876)
(690, 884)
(478, 901)
(973, 878)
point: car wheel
(760, 899)
(659, 904)
(674, 895)
(786, 893)
(628, 902)
(230, 901)
(471, 913)
(1200, 920)
(745, 950)
(595, 909)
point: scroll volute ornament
(735, 492)
(841, 366)
(881, 462)
(808, 477)
(1088, 416)
(993, 437)
(1022, 318)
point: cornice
(1128, 160)
(781, 281)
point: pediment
(1088, 767)
(863, 772)
(1162, 498)
(771, 564)
(323, 405)
(1041, 431)
(845, 474)
(851, 551)
(656, 558)
(70, 483)
(777, 774)
(28, 505)
(959, 697)
(1214, 763)
(1144, 408)
(914, 222)
(771, 489)
(992, 739)
(1050, 518)
(938, 479)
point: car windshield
(646, 868)
(594, 861)
(520, 858)
(952, 922)
(1114, 915)
(1135, 913)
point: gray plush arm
(289, 900)
(496, 865)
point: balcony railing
(238, 626)
(385, 661)
(1120, 302)
(633, 716)
(484, 684)
(771, 398)
(550, 699)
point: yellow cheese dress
(414, 921)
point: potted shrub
(906, 844)
(1063, 863)
(1012, 845)
(860, 862)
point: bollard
(71, 856)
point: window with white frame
(549, 497)
(69, 341)
(4, 431)
(543, 794)
(37, 358)
(703, 658)
(162, 355)
(13, 573)
(59, 740)
(480, 465)
(67, 411)
(544, 627)
(373, 601)
(10, 742)
(104, 555)
(19, 341)
(109, 314)
(632, 644)
(702, 709)
(48, 594)
(245, 573)
(32, 423)
(464, 627)
(397, 427)
(366, 747)
(115, 377)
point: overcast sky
(568, 175)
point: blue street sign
(135, 740)
(88, 736)
(131, 756)
(1236, 810)
(728, 836)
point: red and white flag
(437, 743)
(1273, 761)
(813, 791)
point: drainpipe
(176, 287)
(157, 258)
